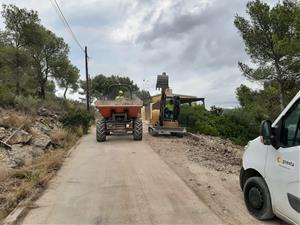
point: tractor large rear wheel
(138, 130)
(101, 131)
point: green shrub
(57, 104)
(30, 104)
(206, 128)
(238, 125)
(76, 118)
(6, 97)
(190, 115)
(27, 104)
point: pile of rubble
(19, 145)
(216, 153)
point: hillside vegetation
(37, 127)
(272, 40)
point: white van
(270, 174)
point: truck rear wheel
(101, 131)
(257, 198)
(138, 130)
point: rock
(3, 157)
(3, 133)
(41, 141)
(40, 126)
(46, 112)
(43, 112)
(229, 149)
(3, 172)
(20, 155)
(20, 137)
(3, 121)
(36, 151)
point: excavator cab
(165, 119)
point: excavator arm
(163, 84)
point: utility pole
(87, 81)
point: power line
(65, 22)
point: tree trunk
(42, 91)
(280, 82)
(18, 75)
(65, 93)
(281, 96)
(18, 88)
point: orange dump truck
(121, 114)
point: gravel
(216, 153)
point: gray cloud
(207, 37)
(194, 41)
(181, 24)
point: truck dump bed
(131, 106)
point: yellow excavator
(165, 119)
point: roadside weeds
(17, 185)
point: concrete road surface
(118, 182)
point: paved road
(118, 182)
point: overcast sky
(194, 41)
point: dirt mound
(216, 153)
(126, 101)
(211, 152)
(196, 162)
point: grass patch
(65, 138)
(16, 121)
(3, 172)
(18, 184)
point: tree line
(33, 60)
(99, 87)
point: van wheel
(101, 131)
(257, 198)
